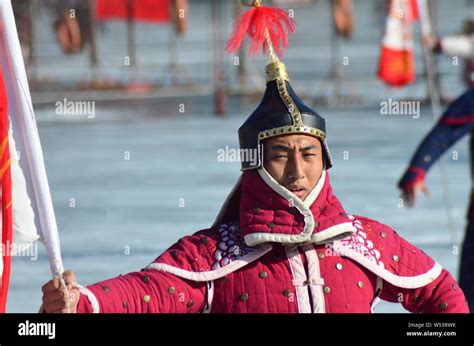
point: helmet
(281, 111)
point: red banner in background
(6, 197)
(139, 10)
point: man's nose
(295, 168)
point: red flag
(6, 198)
(139, 10)
(397, 61)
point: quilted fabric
(260, 206)
(148, 291)
(214, 270)
(396, 254)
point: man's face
(295, 161)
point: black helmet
(280, 112)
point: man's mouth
(297, 190)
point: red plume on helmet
(262, 23)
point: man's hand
(430, 41)
(56, 298)
(411, 194)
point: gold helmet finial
(251, 3)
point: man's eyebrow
(280, 147)
(309, 147)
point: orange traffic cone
(397, 63)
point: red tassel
(255, 23)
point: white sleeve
(461, 45)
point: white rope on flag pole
(27, 136)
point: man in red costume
(282, 242)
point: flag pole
(26, 132)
